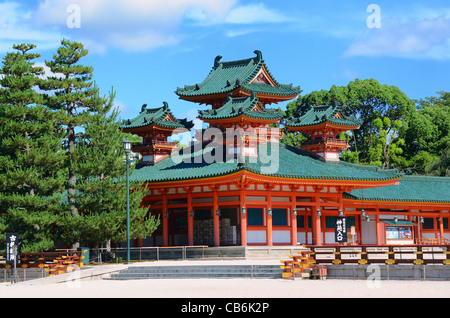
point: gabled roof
(241, 106)
(321, 114)
(410, 189)
(251, 75)
(288, 162)
(161, 117)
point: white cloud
(16, 27)
(132, 25)
(254, 13)
(240, 32)
(47, 72)
(418, 39)
(122, 107)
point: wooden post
(315, 220)
(165, 217)
(269, 216)
(380, 228)
(293, 217)
(216, 217)
(190, 218)
(441, 227)
(243, 217)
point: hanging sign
(12, 245)
(340, 229)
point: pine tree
(93, 143)
(101, 186)
(31, 160)
(75, 96)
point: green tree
(75, 97)
(101, 186)
(387, 147)
(96, 192)
(32, 173)
(427, 133)
(366, 99)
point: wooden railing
(257, 135)
(431, 241)
(323, 140)
(156, 143)
(376, 254)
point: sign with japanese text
(12, 245)
(340, 230)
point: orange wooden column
(243, 214)
(190, 218)
(216, 216)
(165, 217)
(269, 239)
(441, 227)
(293, 216)
(315, 223)
(380, 228)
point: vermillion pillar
(380, 228)
(441, 227)
(293, 217)
(269, 239)
(190, 218)
(315, 220)
(165, 218)
(316, 237)
(216, 218)
(243, 214)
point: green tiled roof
(398, 223)
(320, 114)
(411, 188)
(235, 107)
(226, 77)
(155, 116)
(286, 161)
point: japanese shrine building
(236, 184)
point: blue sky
(146, 49)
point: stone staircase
(198, 271)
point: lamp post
(127, 148)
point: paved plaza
(65, 287)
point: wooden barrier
(57, 262)
(302, 266)
(382, 254)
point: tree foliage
(61, 155)
(396, 132)
(32, 172)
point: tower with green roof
(323, 124)
(240, 79)
(155, 125)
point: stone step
(204, 271)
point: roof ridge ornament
(143, 108)
(259, 57)
(217, 61)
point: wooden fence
(376, 254)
